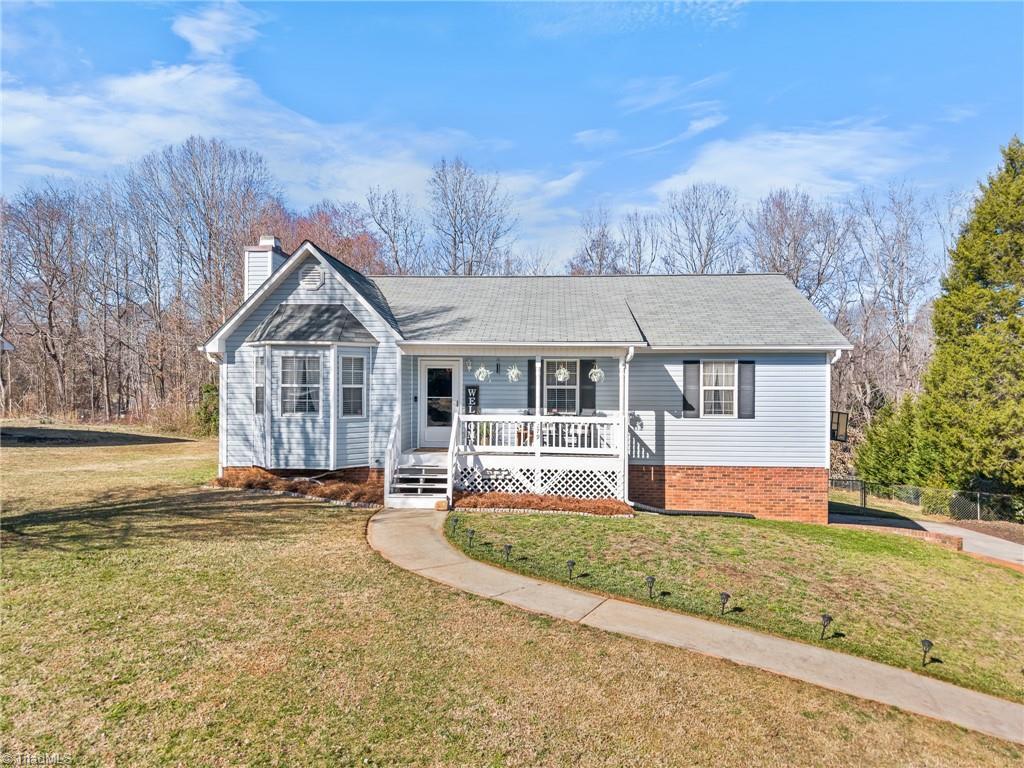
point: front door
(440, 383)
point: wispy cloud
(826, 161)
(219, 29)
(957, 114)
(696, 127)
(101, 126)
(645, 93)
(714, 12)
(594, 138)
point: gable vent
(312, 277)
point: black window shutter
(588, 388)
(531, 384)
(746, 382)
(691, 389)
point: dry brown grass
(147, 622)
(537, 501)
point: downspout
(625, 425)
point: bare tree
(895, 270)
(472, 220)
(209, 198)
(702, 225)
(808, 242)
(599, 253)
(642, 242)
(401, 230)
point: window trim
(544, 380)
(259, 383)
(319, 386)
(365, 386)
(735, 391)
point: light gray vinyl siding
(239, 410)
(304, 441)
(497, 395)
(410, 389)
(301, 440)
(258, 271)
(353, 437)
(789, 429)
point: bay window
(300, 384)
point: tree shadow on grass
(52, 437)
(121, 520)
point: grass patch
(150, 622)
(884, 592)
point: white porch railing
(574, 435)
(393, 452)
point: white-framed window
(300, 384)
(259, 382)
(718, 388)
(561, 396)
(353, 386)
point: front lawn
(885, 592)
(150, 622)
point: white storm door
(440, 383)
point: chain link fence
(940, 502)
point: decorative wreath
(482, 373)
(596, 374)
(513, 373)
(562, 374)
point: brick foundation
(359, 475)
(798, 494)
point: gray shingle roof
(755, 310)
(312, 322)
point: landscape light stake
(650, 587)
(507, 549)
(825, 621)
(723, 598)
(455, 523)
(570, 565)
(469, 536)
(926, 648)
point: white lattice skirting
(576, 483)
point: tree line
(965, 427)
(108, 287)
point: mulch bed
(355, 494)
(532, 502)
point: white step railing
(453, 455)
(596, 435)
(393, 452)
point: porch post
(624, 415)
(537, 400)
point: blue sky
(574, 105)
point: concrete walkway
(978, 543)
(413, 539)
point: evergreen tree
(888, 454)
(971, 413)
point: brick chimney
(261, 261)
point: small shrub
(207, 414)
(937, 501)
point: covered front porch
(476, 421)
